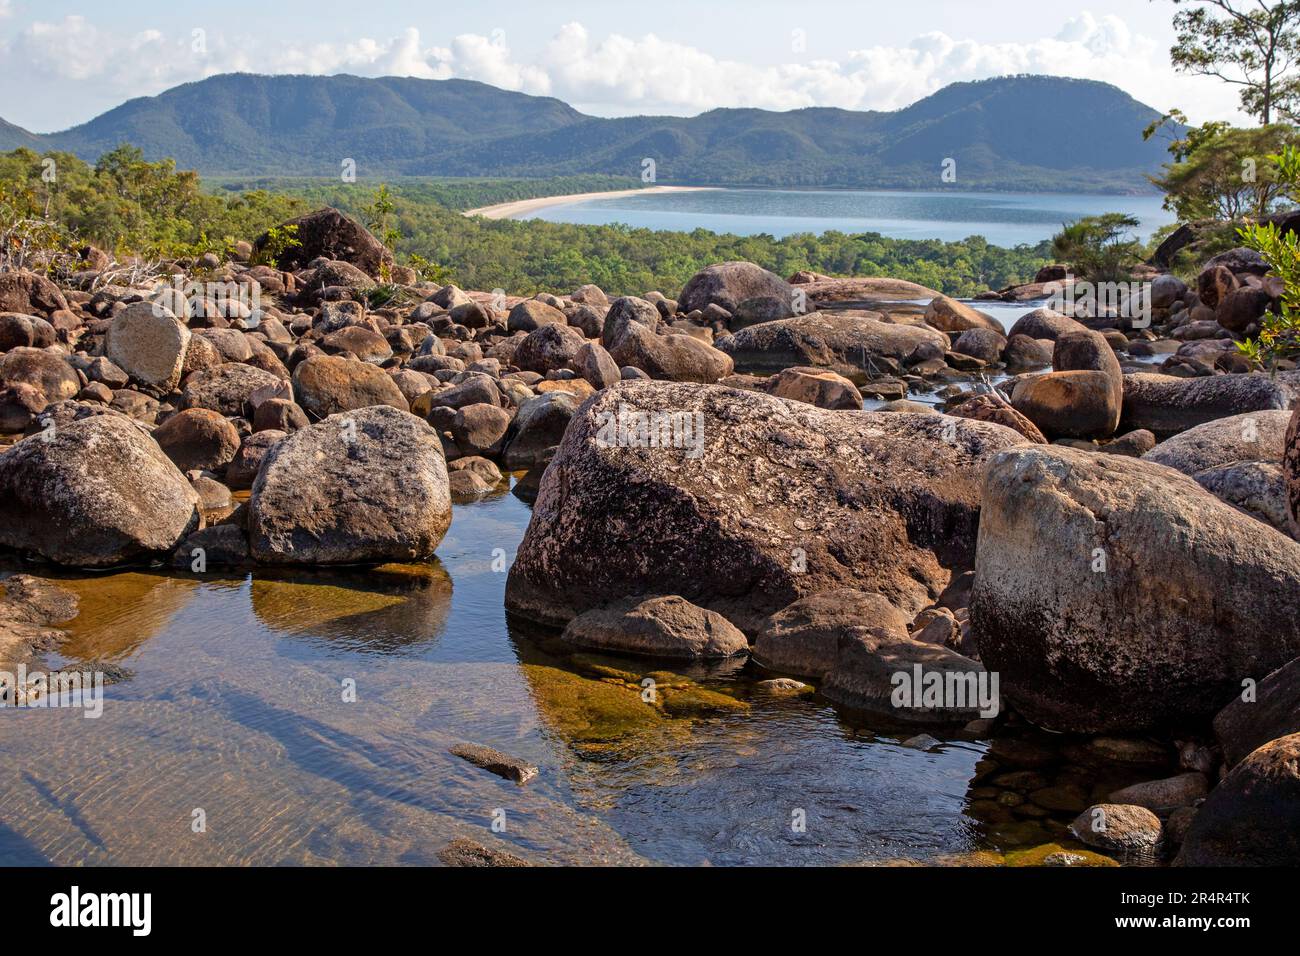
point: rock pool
(231, 700)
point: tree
(1248, 43)
(1279, 335)
(1099, 248)
(1220, 172)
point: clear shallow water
(1004, 219)
(234, 705)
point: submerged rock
(494, 761)
(365, 486)
(669, 627)
(465, 852)
(1119, 827)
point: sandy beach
(513, 210)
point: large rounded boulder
(329, 234)
(1254, 436)
(42, 370)
(851, 344)
(1116, 595)
(1167, 404)
(949, 315)
(727, 284)
(94, 493)
(1253, 817)
(230, 389)
(366, 486)
(198, 438)
(742, 503)
(148, 342)
(327, 384)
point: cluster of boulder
(1111, 550)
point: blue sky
(62, 63)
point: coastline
(510, 210)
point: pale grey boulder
(148, 342)
(94, 493)
(366, 486)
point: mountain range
(1031, 133)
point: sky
(64, 63)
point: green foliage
(1279, 335)
(129, 206)
(427, 271)
(1099, 248)
(536, 256)
(279, 240)
(1220, 172)
(382, 294)
(1248, 43)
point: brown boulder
(743, 503)
(327, 384)
(44, 371)
(1252, 818)
(30, 294)
(986, 408)
(667, 626)
(329, 234)
(727, 284)
(198, 439)
(949, 315)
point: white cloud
(617, 75)
(6, 9)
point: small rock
(494, 761)
(1118, 827)
(465, 852)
